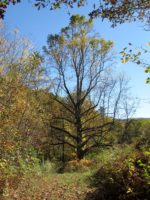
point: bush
(125, 178)
(14, 167)
(48, 167)
(78, 165)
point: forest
(67, 125)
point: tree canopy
(116, 11)
(120, 11)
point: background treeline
(68, 111)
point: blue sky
(36, 25)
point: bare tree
(81, 65)
(129, 107)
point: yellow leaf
(124, 60)
(148, 43)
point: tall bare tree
(80, 63)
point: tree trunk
(80, 152)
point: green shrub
(107, 156)
(14, 167)
(48, 167)
(78, 165)
(125, 178)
